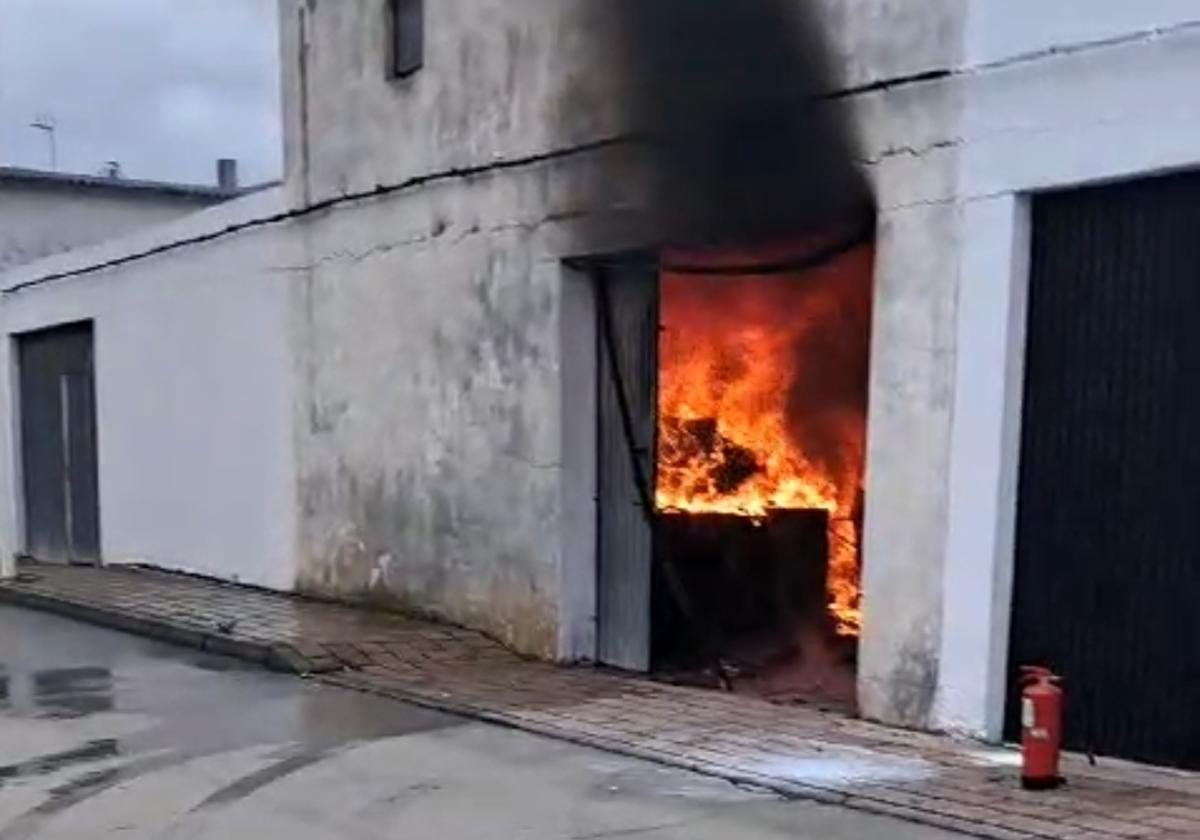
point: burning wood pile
(762, 400)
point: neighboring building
(388, 380)
(45, 213)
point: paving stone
(1175, 823)
(715, 732)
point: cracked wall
(429, 422)
(429, 325)
(1022, 97)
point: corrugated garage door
(1107, 587)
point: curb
(276, 656)
(797, 791)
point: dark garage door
(1107, 587)
(58, 444)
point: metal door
(1107, 587)
(58, 444)
(628, 337)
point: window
(408, 36)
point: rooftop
(71, 180)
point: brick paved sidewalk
(796, 751)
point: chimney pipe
(227, 174)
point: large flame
(762, 399)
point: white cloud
(163, 86)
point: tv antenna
(45, 124)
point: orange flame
(762, 400)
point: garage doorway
(731, 429)
(58, 444)
(1107, 582)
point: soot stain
(730, 97)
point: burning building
(831, 350)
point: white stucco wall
(506, 80)
(909, 151)
(1034, 96)
(1055, 95)
(440, 456)
(39, 220)
(193, 379)
(1020, 29)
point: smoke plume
(731, 94)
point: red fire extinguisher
(1041, 728)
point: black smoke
(732, 95)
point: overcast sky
(163, 86)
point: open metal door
(58, 444)
(627, 297)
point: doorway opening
(744, 375)
(58, 444)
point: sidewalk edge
(272, 655)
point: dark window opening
(408, 36)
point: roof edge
(195, 192)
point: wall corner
(985, 450)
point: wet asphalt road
(103, 734)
